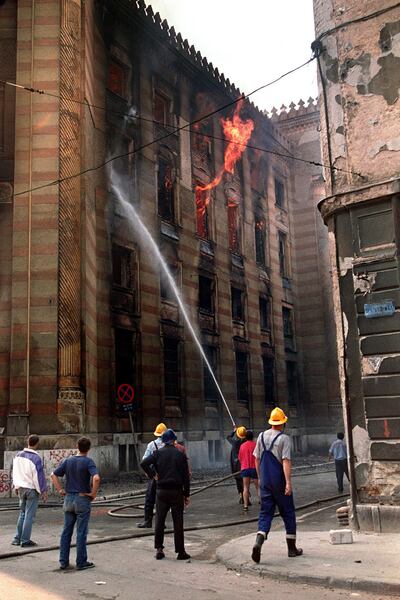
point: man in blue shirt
(82, 482)
(338, 452)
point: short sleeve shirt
(281, 449)
(338, 450)
(78, 471)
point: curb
(353, 584)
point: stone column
(70, 396)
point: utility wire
(373, 15)
(154, 141)
(194, 131)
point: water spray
(137, 221)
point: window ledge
(286, 282)
(169, 230)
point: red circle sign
(125, 393)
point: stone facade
(359, 56)
(83, 304)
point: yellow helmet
(277, 417)
(159, 430)
(241, 432)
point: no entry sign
(125, 394)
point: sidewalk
(370, 564)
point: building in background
(359, 56)
(85, 307)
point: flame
(238, 133)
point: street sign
(379, 309)
(125, 394)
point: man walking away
(338, 451)
(236, 439)
(150, 498)
(29, 482)
(274, 469)
(79, 492)
(173, 490)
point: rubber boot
(292, 549)
(147, 523)
(256, 553)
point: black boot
(256, 553)
(147, 523)
(292, 549)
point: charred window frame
(171, 369)
(117, 78)
(237, 304)
(265, 313)
(242, 377)
(260, 227)
(206, 294)
(233, 227)
(166, 188)
(166, 292)
(280, 194)
(292, 383)
(203, 211)
(162, 106)
(201, 136)
(123, 267)
(125, 356)
(287, 318)
(283, 254)
(269, 381)
(209, 388)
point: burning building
(84, 306)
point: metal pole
(134, 440)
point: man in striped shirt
(29, 482)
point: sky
(251, 42)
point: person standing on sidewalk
(338, 452)
(29, 482)
(171, 470)
(274, 468)
(82, 482)
(150, 498)
(248, 471)
(236, 439)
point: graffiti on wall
(53, 458)
(5, 484)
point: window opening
(233, 226)
(242, 378)
(260, 238)
(206, 294)
(124, 357)
(123, 266)
(162, 109)
(269, 381)
(171, 369)
(237, 304)
(116, 78)
(264, 313)
(279, 193)
(166, 292)
(209, 387)
(166, 191)
(287, 323)
(292, 382)
(283, 268)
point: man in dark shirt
(173, 490)
(79, 492)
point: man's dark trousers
(169, 499)
(341, 469)
(150, 499)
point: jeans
(76, 510)
(28, 503)
(169, 499)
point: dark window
(287, 322)
(259, 235)
(123, 267)
(166, 292)
(269, 384)
(162, 109)
(166, 190)
(279, 193)
(202, 214)
(292, 383)
(283, 270)
(242, 378)
(206, 294)
(264, 313)
(124, 357)
(237, 304)
(233, 226)
(171, 369)
(210, 389)
(116, 78)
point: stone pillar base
(71, 410)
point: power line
(154, 141)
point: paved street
(127, 569)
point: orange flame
(238, 133)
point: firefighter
(273, 464)
(150, 499)
(236, 439)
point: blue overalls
(272, 491)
